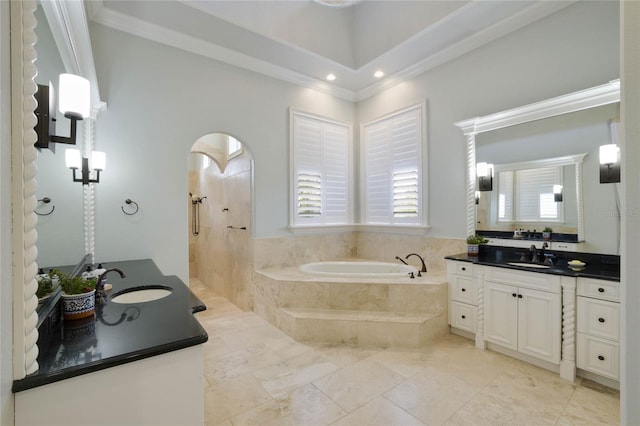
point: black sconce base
(609, 173)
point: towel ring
(129, 202)
(45, 200)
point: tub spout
(400, 259)
(424, 266)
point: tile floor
(257, 375)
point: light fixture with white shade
(88, 166)
(609, 163)
(557, 193)
(74, 104)
(484, 172)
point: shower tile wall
(221, 257)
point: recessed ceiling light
(331, 77)
(378, 74)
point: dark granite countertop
(119, 333)
(598, 266)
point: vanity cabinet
(463, 295)
(522, 312)
(598, 327)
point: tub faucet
(424, 266)
(534, 253)
(101, 295)
(400, 259)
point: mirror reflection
(525, 159)
(60, 234)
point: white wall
(630, 350)
(160, 100)
(573, 49)
(6, 314)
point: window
(234, 147)
(321, 171)
(527, 195)
(392, 169)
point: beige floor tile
(303, 406)
(432, 396)
(450, 381)
(379, 412)
(406, 363)
(357, 384)
(592, 406)
(281, 379)
(234, 397)
(343, 356)
(241, 339)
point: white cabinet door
(539, 322)
(501, 314)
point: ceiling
(302, 41)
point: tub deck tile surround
(383, 312)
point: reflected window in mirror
(527, 195)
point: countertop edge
(41, 380)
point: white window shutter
(321, 171)
(378, 173)
(393, 169)
(505, 196)
(336, 173)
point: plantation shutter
(505, 196)
(535, 192)
(336, 173)
(378, 172)
(321, 171)
(393, 175)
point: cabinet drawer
(463, 289)
(463, 316)
(460, 268)
(598, 318)
(599, 289)
(598, 356)
(534, 280)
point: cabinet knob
(600, 357)
(514, 295)
(601, 290)
(601, 319)
(464, 289)
(519, 296)
(463, 316)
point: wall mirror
(565, 130)
(60, 221)
(66, 222)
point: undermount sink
(141, 294)
(529, 265)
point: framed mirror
(490, 131)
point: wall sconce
(95, 164)
(609, 163)
(477, 197)
(557, 193)
(484, 172)
(74, 104)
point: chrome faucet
(424, 266)
(101, 295)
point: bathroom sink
(141, 294)
(529, 265)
